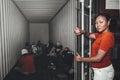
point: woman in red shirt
(101, 47)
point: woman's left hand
(78, 31)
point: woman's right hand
(78, 31)
(77, 58)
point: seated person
(49, 46)
(34, 49)
(52, 52)
(39, 46)
(58, 48)
(67, 56)
(26, 62)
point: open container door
(84, 44)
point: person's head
(24, 51)
(66, 49)
(39, 42)
(102, 22)
(58, 43)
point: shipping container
(28, 23)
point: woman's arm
(97, 58)
(78, 31)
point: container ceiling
(39, 11)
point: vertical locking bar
(90, 29)
(82, 41)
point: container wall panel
(63, 24)
(14, 32)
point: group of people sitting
(57, 57)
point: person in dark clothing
(67, 56)
(39, 46)
(58, 48)
(68, 62)
(28, 47)
(49, 47)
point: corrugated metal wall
(63, 25)
(14, 32)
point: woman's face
(101, 24)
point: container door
(83, 43)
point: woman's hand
(78, 31)
(77, 58)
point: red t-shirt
(27, 63)
(104, 41)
